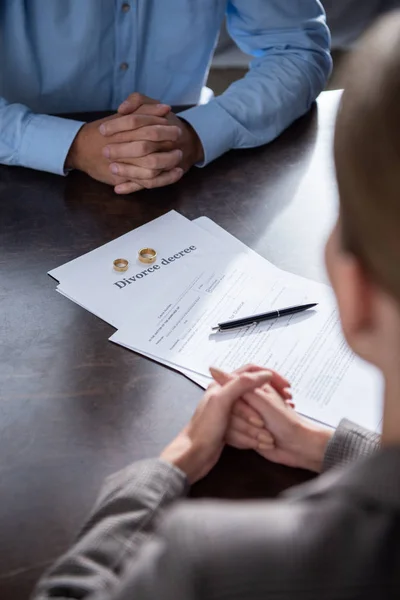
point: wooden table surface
(74, 407)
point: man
(72, 56)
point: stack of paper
(203, 276)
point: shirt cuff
(46, 142)
(215, 128)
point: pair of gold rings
(145, 255)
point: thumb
(221, 377)
(136, 100)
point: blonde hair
(367, 153)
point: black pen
(275, 314)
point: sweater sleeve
(124, 519)
(349, 442)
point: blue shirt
(60, 56)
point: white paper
(91, 281)
(329, 382)
(167, 314)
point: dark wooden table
(74, 407)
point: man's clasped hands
(144, 145)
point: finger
(135, 100)
(155, 132)
(278, 381)
(267, 452)
(129, 150)
(237, 387)
(222, 377)
(243, 410)
(166, 178)
(130, 123)
(160, 110)
(133, 172)
(285, 393)
(261, 435)
(160, 133)
(213, 385)
(117, 180)
(137, 149)
(253, 368)
(153, 110)
(240, 440)
(126, 138)
(128, 188)
(269, 405)
(163, 161)
(275, 378)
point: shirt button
(124, 66)
(126, 7)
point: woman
(337, 536)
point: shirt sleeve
(290, 43)
(32, 140)
(124, 518)
(349, 443)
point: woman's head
(363, 253)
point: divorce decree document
(329, 382)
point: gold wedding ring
(120, 264)
(147, 255)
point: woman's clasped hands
(250, 409)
